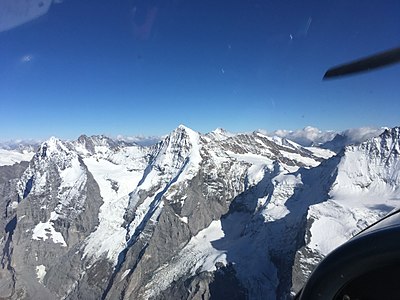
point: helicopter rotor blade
(365, 64)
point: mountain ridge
(175, 218)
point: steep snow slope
(366, 187)
(115, 183)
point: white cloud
(311, 135)
(21, 145)
(359, 135)
(305, 137)
(140, 139)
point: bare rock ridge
(195, 216)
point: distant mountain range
(193, 216)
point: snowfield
(10, 157)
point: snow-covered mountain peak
(182, 127)
(54, 162)
(97, 140)
(51, 146)
(220, 130)
(220, 134)
(94, 144)
(371, 167)
(391, 137)
(281, 141)
(178, 148)
(57, 151)
(365, 188)
(182, 134)
(354, 136)
(384, 146)
(55, 182)
(256, 143)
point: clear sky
(144, 67)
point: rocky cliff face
(9, 177)
(58, 203)
(192, 217)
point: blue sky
(144, 67)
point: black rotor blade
(365, 64)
